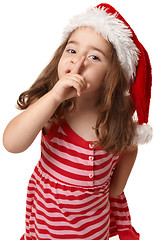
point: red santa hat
(132, 56)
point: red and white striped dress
(68, 193)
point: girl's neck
(87, 102)
(83, 119)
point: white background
(30, 32)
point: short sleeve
(51, 132)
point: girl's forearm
(122, 171)
(23, 129)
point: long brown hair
(115, 128)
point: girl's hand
(23, 129)
(70, 85)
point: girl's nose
(78, 65)
(76, 59)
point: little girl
(83, 102)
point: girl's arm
(122, 171)
(23, 129)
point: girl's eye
(71, 51)
(93, 57)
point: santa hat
(132, 56)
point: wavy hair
(115, 127)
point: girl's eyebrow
(90, 46)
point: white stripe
(121, 214)
(31, 185)
(60, 130)
(104, 169)
(123, 222)
(121, 205)
(27, 235)
(105, 160)
(100, 153)
(124, 229)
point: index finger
(78, 65)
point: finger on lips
(78, 81)
(78, 77)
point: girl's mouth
(68, 71)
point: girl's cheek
(61, 65)
(59, 71)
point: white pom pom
(144, 134)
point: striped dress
(68, 192)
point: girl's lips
(68, 71)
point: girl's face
(86, 42)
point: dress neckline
(72, 134)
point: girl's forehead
(85, 31)
(89, 36)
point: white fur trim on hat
(143, 134)
(114, 31)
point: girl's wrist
(55, 98)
